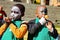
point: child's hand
(7, 19)
(49, 26)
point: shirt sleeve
(33, 27)
(3, 28)
(54, 33)
(18, 32)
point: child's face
(15, 13)
(40, 12)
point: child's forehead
(40, 8)
(15, 8)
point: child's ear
(22, 14)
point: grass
(58, 28)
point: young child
(41, 28)
(14, 29)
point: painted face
(41, 12)
(15, 13)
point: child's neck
(17, 19)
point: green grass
(56, 25)
(58, 28)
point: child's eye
(14, 12)
(42, 11)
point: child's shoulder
(32, 21)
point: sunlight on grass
(58, 28)
(26, 36)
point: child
(41, 28)
(14, 29)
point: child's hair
(22, 8)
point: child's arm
(52, 30)
(3, 28)
(18, 32)
(33, 27)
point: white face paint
(15, 13)
(41, 11)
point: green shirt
(43, 33)
(8, 35)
